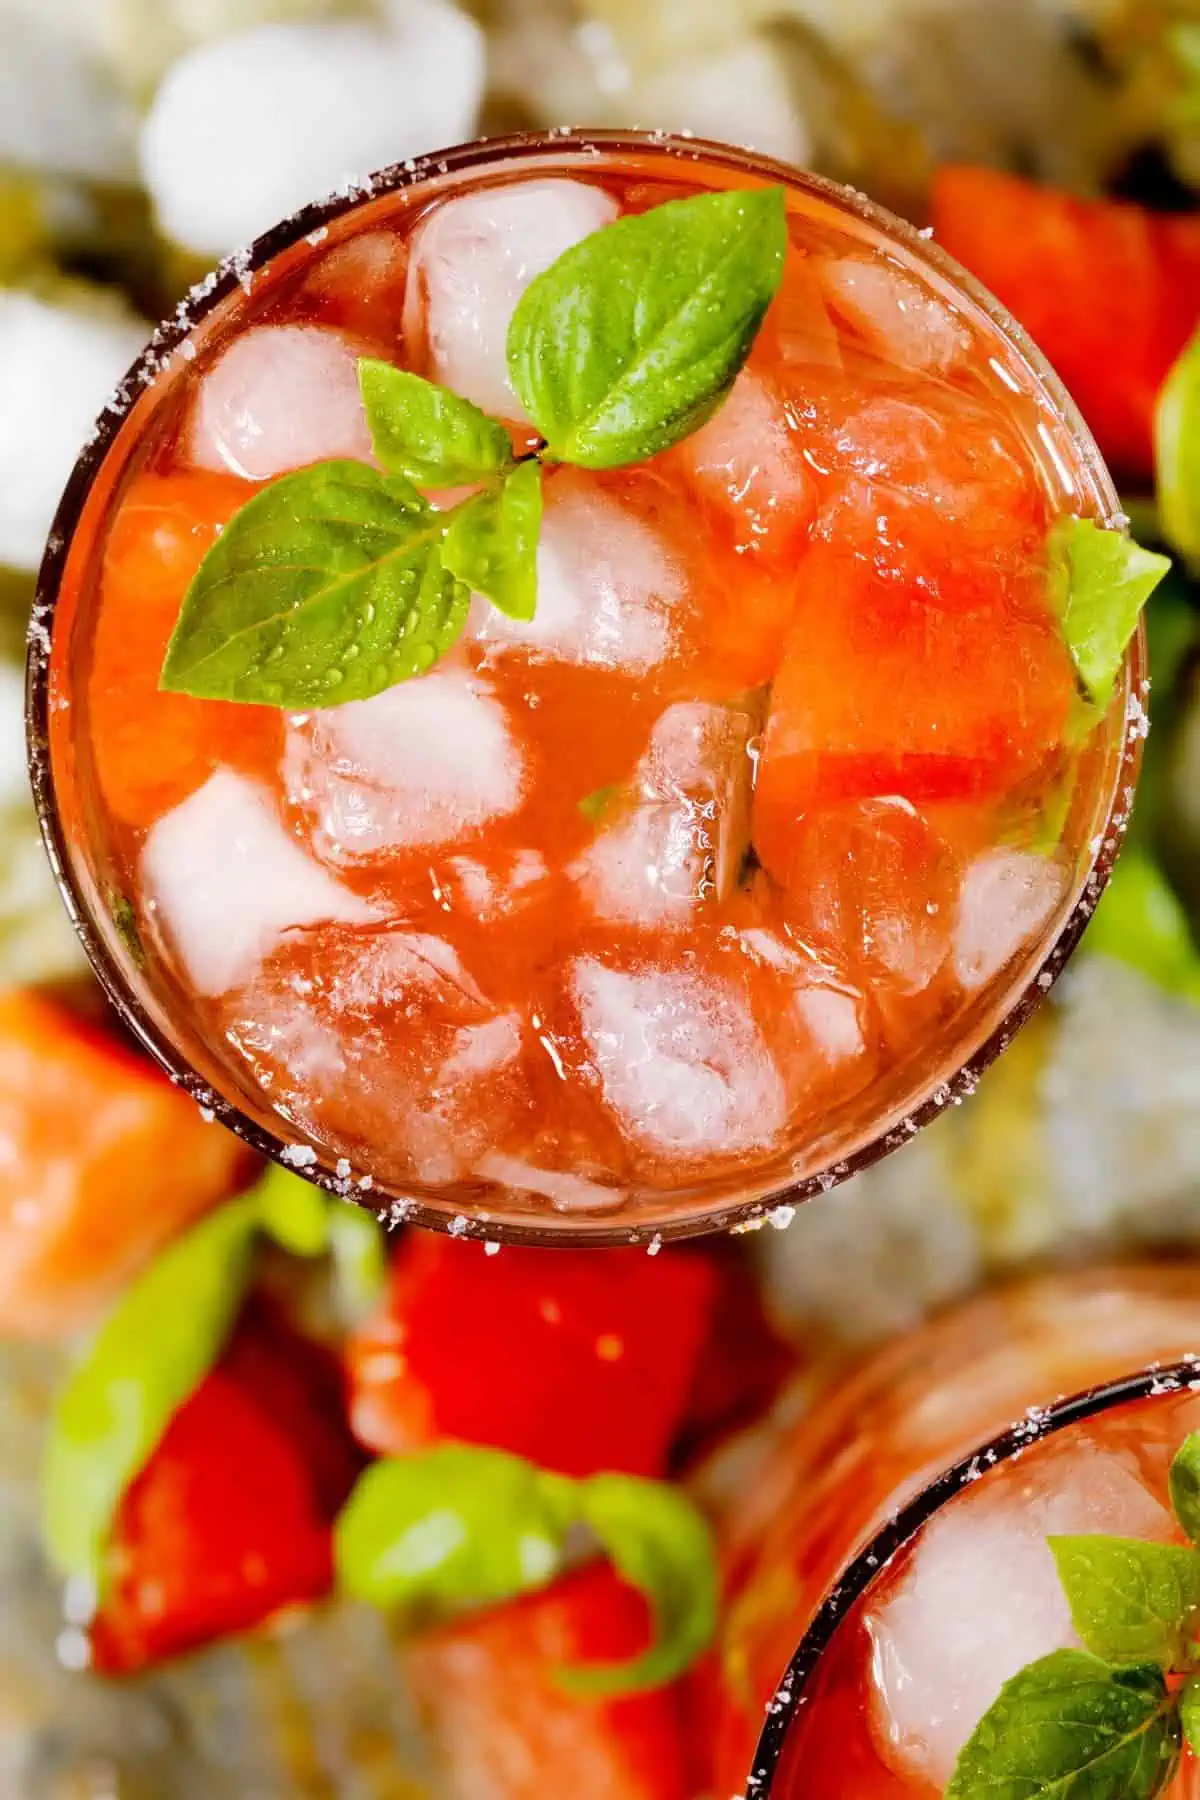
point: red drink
(689, 893)
(912, 1551)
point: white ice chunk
(567, 1192)
(472, 261)
(245, 129)
(743, 95)
(679, 836)
(747, 460)
(982, 1597)
(225, 881)
(607, 586)
(279, 398)
(427, 762)
(60, 110)
(680, 1060)
(58, 366)
(1007, 897)
(902, 319)
(482, 1049)
(833, 1021)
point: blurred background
(1056, 146)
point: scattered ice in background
(61, 111)
(470, 265)
(680, 1060)
(1007, 899)
(58, 365)
(245, 129)
(277, 399)
(741, 96)
(900, 319)
(678, 837)
(225, 881)
(981, 1596)
(428, 762)
(608, 584)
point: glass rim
(1155, 1380)
(725, 1213)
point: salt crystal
(1007, 898)
(471, 262)
(280, 397)
(680, 1060)
(227, 882)
(367, 771)
(608, 585)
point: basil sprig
(457, 1528)
(340, 580)
(1103, 1723)
(156, 1347)
(1102, 580)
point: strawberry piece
(159, 538)
(506, 1729)
(882, 693)
(577, 1360)
(1109, 292)
(230, 1519)
(86, 1205)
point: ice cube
(566, 1192)
(680, 1060)
(359, 285)
(427, 762)
(1008, 897)
(901, 319)
(981, 1596)
(813, 1021)
(746, 460)
(679, 836)
(279, 398)
(382, 1044)
(247, 128)
(607, 586)
(471, 262)
(224, 881)
(489, 892)
(58, 365)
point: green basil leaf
(426, 432)
(1068, 1727)
(359, 1246)
(1177, 454)
(1131, 1601)
(151, 1353)
(1103, 580)
(1189, 1712)
(597, 805)
(293, 1212)
(1141, 922)
(456, 1527)
(661, 1544)
(492, 538)
(633, 337)
(327, 586)
(1184, 1482)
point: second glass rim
(235, 272)
(791, 1695)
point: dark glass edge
(234, 272)
(791, 1695)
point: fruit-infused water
(919, 1616)
(697, 884)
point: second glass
(693, 894)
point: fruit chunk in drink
(700, 879)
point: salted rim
(791, 1696)
(237, 271)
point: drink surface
(709, 872)
(916, 1662)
